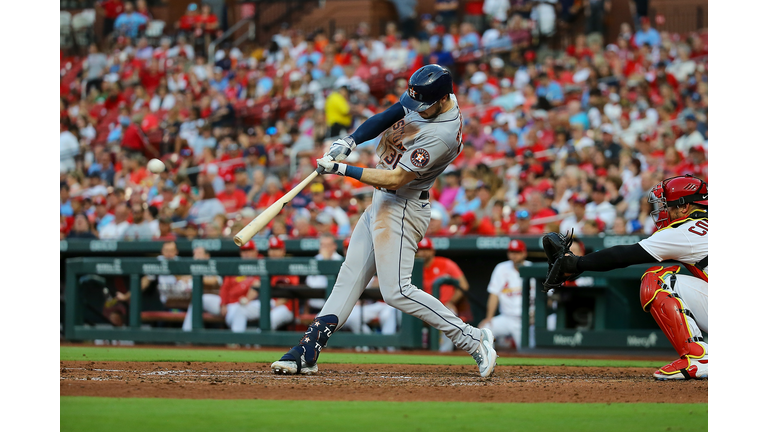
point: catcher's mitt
(562, 262)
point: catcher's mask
(676, 191)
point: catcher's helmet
(426, 86)
(676, 191)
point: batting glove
(341, 148)
(328, 166)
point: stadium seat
(65, 30)
(82, 26)
(154, 31)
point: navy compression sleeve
(614, 257)
(377, 124)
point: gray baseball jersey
(385, 239)
(425, 147)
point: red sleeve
(453, 269)
(486, 227)
(262, 201)
(225, 290)
(241, 199)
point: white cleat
(485, 356)
(288, 367)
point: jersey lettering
(397, 136)
(701, 228)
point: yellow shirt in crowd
(337, 110)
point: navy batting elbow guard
(313, 341)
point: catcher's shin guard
(313, 341)
(675, 320)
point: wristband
(353, 171)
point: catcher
(678, 303)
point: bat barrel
(267, 215)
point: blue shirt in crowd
(650, 37)
(129, 24)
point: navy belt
(424, 194)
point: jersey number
(702, 225)
(393, 158)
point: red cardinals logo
(420, 158)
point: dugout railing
(409, 334)
(77, 247)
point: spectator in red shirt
(165, 232)
(302, 228)
(440, 267)
(150, 77)
(696, 163)
(523, 225)
(207, 22)
(538, 209)
(111, 9)
(187, 21)
(231, 197)
(579, 49)
(114, 97)
(134, 139)
(271, 194)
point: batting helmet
(426, 86)
(676, 191)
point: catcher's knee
(652, 283)
(669, 311)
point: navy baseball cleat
(314, 340)
(289, 366)
(485, 356)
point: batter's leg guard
(303, 357)
(677, 323)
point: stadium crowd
(554, 139)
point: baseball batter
(678, 303)
(422, 136)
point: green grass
(85, 414)
(255, 356)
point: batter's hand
(341, 148)
(328, 166)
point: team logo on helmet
(412, 93)
(420, 158)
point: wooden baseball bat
(267, 215)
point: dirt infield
(203, 380)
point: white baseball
(156, 166)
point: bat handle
(319, 170)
